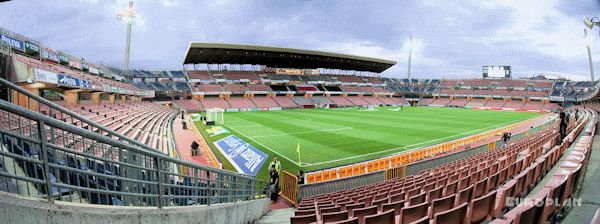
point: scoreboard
(495, 71)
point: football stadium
(256, 123)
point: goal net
(215, 115)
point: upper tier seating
(199, 75)
(241, 75)
(207, 88)
(258, 87)
(51, 67)
(285, 102)
(264, 102)
(235, 88)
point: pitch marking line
(304, 132)
(408, 146)
(273, 151)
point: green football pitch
(334, 137)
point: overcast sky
(452, 39)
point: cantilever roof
(218, 53)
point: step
(277, 216)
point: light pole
(590, 23)
(127, 16)
(410, 46)
(589, 51)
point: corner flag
(298, 151)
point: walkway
(589, 191)
(183, 141)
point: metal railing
(53, 153)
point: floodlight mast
(590, 23)
(410, 47)
(127, 16)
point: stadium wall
(16, 209)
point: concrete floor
(590, 190)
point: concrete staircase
(277, 216)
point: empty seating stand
(470, 190)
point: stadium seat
(396, 206)
(334, 216)
(360, 213)
(412, 213)
(456, 215)
(442, 204)
(306, 219)
(347, 221)
(381, 218)
(482, 208)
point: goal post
(216, 115)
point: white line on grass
(292, 161)
(408, 146)
(304, 132)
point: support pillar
(71, 97)
(123, 98)
(97, 98)
(111, 98)
(21, 100)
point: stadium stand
(285, 102)
(264, 102)
(513, 104)
(495, 103)
(240, 102)
(457, 103)
(215, 102)
(357, 101)
(190, 105)
(341, 101)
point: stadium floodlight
(127, 16)
(410, 48)
(589, 40)
(590, 22)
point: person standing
(300, 177)
(273, 183)
(276, 163)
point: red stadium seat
(396, 206)
(482, 209)
(381, 218)
(334, 216)
(413, 213)
(305, 219)
(457, 215)
(360, 213)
